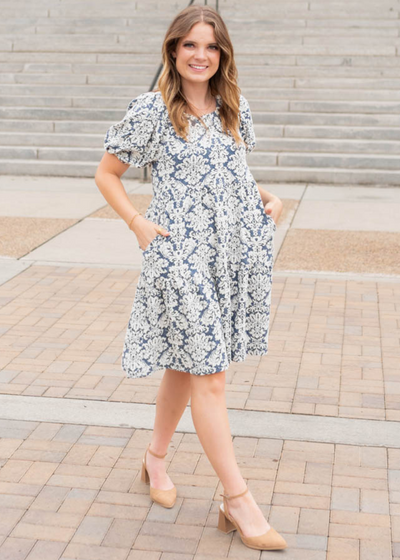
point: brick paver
(330, 501)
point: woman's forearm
(265, 195)
(112, 189)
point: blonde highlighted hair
(223, 82)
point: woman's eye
(191, 45)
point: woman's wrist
(270, 198)
(265, 195)
(274, 209)
(132, 224)
(273, 199)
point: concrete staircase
(322, 78)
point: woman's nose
(200, 54)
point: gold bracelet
(137, 214)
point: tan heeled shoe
(166, 498)
(271, 540)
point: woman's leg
(210, 418)
(172, 398)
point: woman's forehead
(201, 33)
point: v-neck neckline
(216, 110)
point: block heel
(224, 524)
(145, 475)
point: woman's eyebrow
(195, 43)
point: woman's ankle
(238, 490)
(155, 450)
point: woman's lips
(198, 69)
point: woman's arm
(108, 179)
(272, 204)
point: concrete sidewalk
(314, 422)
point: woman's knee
(208, 384)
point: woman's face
(198, 49)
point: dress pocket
(270, 219)
(267, 217)
(151, 244)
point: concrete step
(48, 78)
(339, 146)
(290, 10)
(368, 61)
(79, 57)
(54, 139)
(338, 176)
(342, 132)
(334, 161)
(383, 88)
(277, 32)
(56, 168)
(60, 114)
(333, 77)
(270, 21)
(76, 133)
(269, 35)
(327, 119)
(50, 153)
(77, 128)
(83, 113)
(57, 127)
(345, 107)
(256, 159)
(274, 143)
(259, 27)
(318, 13)
(35, 95)
(271, 100)
(267, 87)
(151, 44)
(344, 65)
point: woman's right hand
(146, 230)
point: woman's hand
(274, 207)
(146, 230)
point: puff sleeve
(246, 125)
(135, 139)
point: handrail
(153, 83)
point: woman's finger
(162, 230)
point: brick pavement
(334, 344)
(74, 492)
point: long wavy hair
(223, 82)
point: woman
(203, 295)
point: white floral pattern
(204, 293)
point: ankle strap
(155, 454)
(236, 496)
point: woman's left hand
(274, 208)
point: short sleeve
(246, 125)
(135, 139)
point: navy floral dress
(204, 292)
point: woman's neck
(199, 95)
